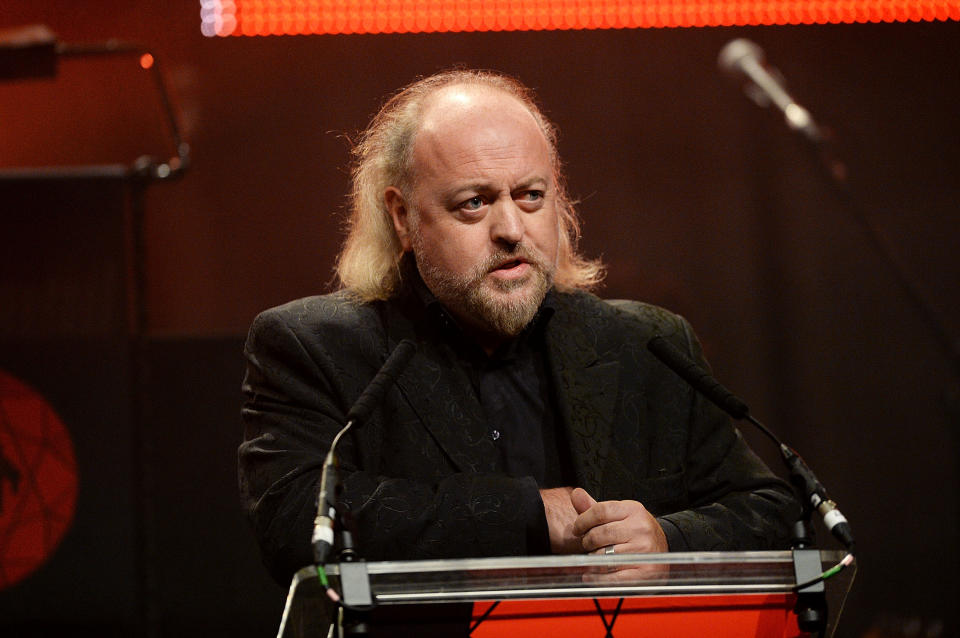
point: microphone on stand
(323, 525)
(801, 475)
(744, 60)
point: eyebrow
(481, 186)
(534, 181)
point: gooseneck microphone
(323, 525)
(801, 475)
(373, 394)
(694, 374)
(744, 60)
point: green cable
(832, 571)
(322, 575)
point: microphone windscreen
(695, 374)
(733, 54)
(374, 393)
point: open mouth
(511, 264)
(513, 270)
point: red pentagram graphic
(38, 480)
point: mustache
(517, 252)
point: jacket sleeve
(735, 502)
(296, 397)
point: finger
(599, 514)
(625, 541)
(604, 551)
(604, 535)
(582, 501)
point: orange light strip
(302, 17)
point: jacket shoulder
(642, 319)
(338, 310)
(337, 321)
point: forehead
(469, 127)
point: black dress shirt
(513, 387)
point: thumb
(581, 500)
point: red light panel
(38, 480)
(302, 17)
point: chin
(508, 312)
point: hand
(626, 525)
(560, 517)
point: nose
(506, 223)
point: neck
(489, 340)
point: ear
(397, 207)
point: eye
(530, 200)
(472, 204)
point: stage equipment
(719, 594)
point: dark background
(696, 199)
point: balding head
(459, 121)
(480, 211)
(368, 264)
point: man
(531, 419)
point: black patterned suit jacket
(420, 476)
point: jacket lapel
(440, 393)
(444, 400)
(586, 388)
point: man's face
(481, 216)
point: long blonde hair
(369, 264)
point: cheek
(546, 236)
(453, 249)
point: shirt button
(495, 435)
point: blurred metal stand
(34, 52)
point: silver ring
(609, 549)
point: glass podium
(676, 594)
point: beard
(485, 301)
